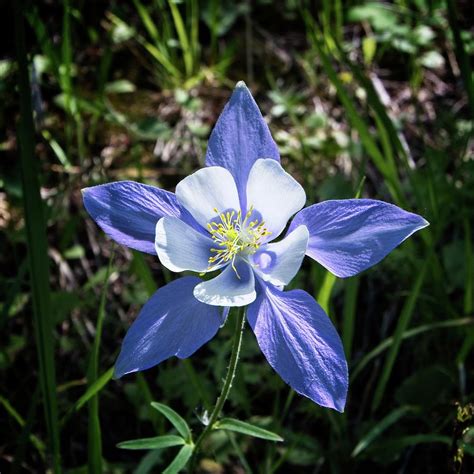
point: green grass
(37, 246)
(94, 440)
(402, 324)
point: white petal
(228, 289)
(279, 262)
(180, 247)
(206, 190)
(274, 194)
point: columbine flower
(229, 217)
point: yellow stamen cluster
(234, 236)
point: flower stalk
(231, 370)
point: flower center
(233, 236)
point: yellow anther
(234, 236)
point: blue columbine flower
(229, 217)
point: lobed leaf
(157, 442)
(175, 419)
(180, 460)
(231, 424)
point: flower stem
(231, 370)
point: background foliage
(373, 97)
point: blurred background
(375, 97)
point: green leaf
(379, 15)
(176, 420)
(75, 252)
(432, 60)
(426, 388)
(157, 442)
(423, 35)
(121, 86)
(62, 303)
(180, 460)
(230, 424)
(149, 128)
(6, 68)
(149, 461)
(369, 47)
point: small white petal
(274, 194)
(228, 289)
(279, 262)
(180, 247)
(206, 190)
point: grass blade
(387, 343)
(44, 39)
(357, 122)
(461, 54)
(147, 22)
(57, 149)
(399, 443)
(158, 54)
(66, 62)
(373, 99)
(468, 293)
(403, 321)
(349, 314)
(469, 285)
(35, 441)
(379, 428)
(91, 391)
(94, 438)
(194, 15)
(183, 38)
(147, 397)
(27, 435)
(37, 244)
(140, 268)
(94, 388)
(240, 455)
(324, 294)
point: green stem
(94, 436)
(231, 370)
